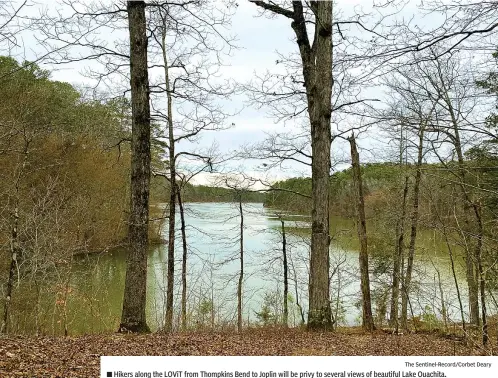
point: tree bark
(316, 59)
(15, 248)
(453, 271)
(317, 69)
(398, 252)
(481, 273)
(241, 274)
(368, 321)
(172, 191)
(184, 263)
(405, 295)
(300, 308)
(133, 315)
(470, 256)
(399, 248)
(286, 275)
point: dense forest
(146, 196)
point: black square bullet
(109, 373)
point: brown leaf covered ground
(79, 356)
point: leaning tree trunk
(172, 192)
(184, 262)
(453, 270)
(299, 307)
(133, 315)
(241, 273)
(286, 270)
(472, 272)
(368, 321)
(405, 295)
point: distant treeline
(439, 204)
(204, 193)
(383, 183)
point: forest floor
(79, 356)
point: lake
(89, 299)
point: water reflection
(89, 300)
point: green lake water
(89, 300)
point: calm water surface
(91, 300)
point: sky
(258, 39)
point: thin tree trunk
(37, 306)
(300, 308)
(405, 295)
(184, 263)
(368, 321)
(444, 313)
(172, 192)
(241, 274)
(454, 273)
(467, 204)
(15, 248)
(397, 261)
(133, 316)
(399, 248)
(286, 270)
(470, 271)
(481, 274)
(212, 300)
(15, 252)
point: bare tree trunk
(316, 60)
(172, 191)
(241, 274)
(454, 273)
(15, 248)
(467, 204)
(398, 252)
(15, 252)
(319, 90)
(399, 248)
(472, 283)
(453, 269)
(133, 316)
(444, 313)
(405, 295)
(212, 300)
(184, 263)
(286, 280)
(482, 274)
(368, 321)
(300, 308)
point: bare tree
(10, 25)
(15, 249)
(316, 59)
(286, 274)
(368, 321)
(133, 317)
(399, 247)
(185, 38)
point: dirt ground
(79, 356)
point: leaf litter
(80, 356)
